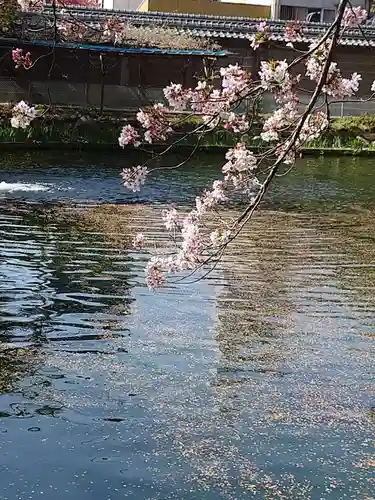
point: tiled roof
(214, 27)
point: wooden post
(87, 83)
(101, 57)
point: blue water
(256, 382)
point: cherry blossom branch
(245, 172)
(274, 77)
(250, 210)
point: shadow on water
(253, 383)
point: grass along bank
(72, 128)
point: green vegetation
(8, 14)
(87, 128)
(44, 132)
(352, 132)
(64, 126)
(354, 124)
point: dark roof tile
(212, 26)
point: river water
(256, 382)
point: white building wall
(122, 4)
(134, 4)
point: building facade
(122, 4)
(320, 11)
(126, 77)
(244, 8)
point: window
(314, 15)
(328, 15)
(287, 13)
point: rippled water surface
(257, 382)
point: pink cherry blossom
(113, 30)
(354, 16)
(208, 103)
(336, 86)
(128, 136)
(261, 35)
(71, 30)
(21, 60)
(219, 237)
(280, 119)
(178, 98)
(155, 275)
(31, 5)
(275, 73)
(234, 82)
(211, 198)
(217, 105)
(240, 159)
(138, 241)
(192, 245)
(340, 87)
(238, 124)
(313, 127)
(170, 218)
(154, 120)
(293, 32)
(218, 191)
(201, 85)
(135, 177)
(23, 115)
(239, 168)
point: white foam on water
(10, 187)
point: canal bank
(88, 130)
(81, 146)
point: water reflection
(15, 364)
(254, 383)
(288, 329)
(58, 281)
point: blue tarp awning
(125, 50)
